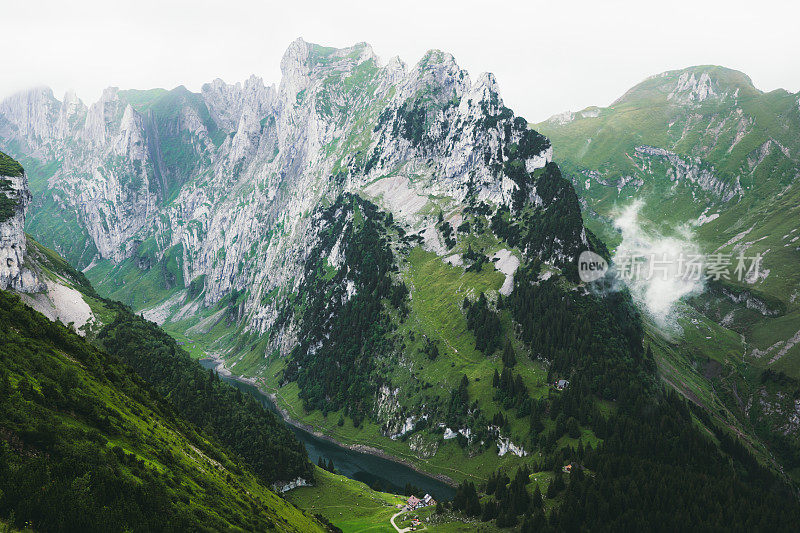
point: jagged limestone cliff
(224, 181)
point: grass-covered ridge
(78, 426)
(729, 176)
(745, 141)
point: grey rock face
(14, 273)
(230, 176)
(694, 172)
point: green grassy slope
(724, 134)
(80, 427)
(744, 138)
(256, 435)
(348, 504)
(436, 314)
(433, 319)
(355, 508)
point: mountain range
(391, 254)
(216, 213)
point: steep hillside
(716, 159)
(78, 426)
(232, 216)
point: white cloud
(666, 274)
(547, 56)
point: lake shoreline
(360, 448)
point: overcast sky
(548, 56)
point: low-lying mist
(664, 270)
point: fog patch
(658, 270)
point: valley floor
(355, 508)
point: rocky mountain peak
(33, 112)
(694, 89)
(304, 62)
(100, 115)
(691, 86)
(486, 89)
(223, 182)
(226, 101)
(71, 113)
(395, 69)
(438, 74)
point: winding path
(395, 525)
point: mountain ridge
(725, 169)
(116, 244)
(696, 77)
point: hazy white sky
(548, 56)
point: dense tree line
(596, 336)
(341, 335)
(7, 204)
(510, 498)
(329, 466)
(9, 166)
(411, 122)
(466, 499)
(446, 229)
(475, 259)
(430, 348)
(769, 427)
(509, 355)
(511, 391)
(484, 323)
(237, 420)
(458, 407)
(550, 228)
(411, 489)
(654, 469)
